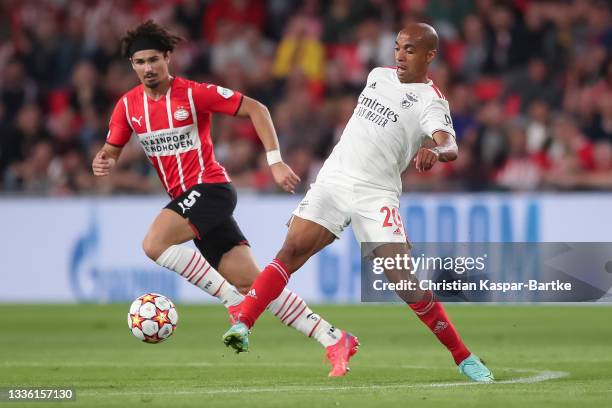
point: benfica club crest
(181, 113)
(409, 99)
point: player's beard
(152, 83)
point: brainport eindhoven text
(481, 285)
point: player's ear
(431, 54)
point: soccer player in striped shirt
(171, 118)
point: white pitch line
(204, 364)
(199, 364)
(541, 376)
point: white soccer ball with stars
(152, 318)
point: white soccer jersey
(388, 125)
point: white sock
(288, 307)
(294, 312)
(191, 265)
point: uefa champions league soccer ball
(152, 318)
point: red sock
(267, 287)
(432, 313)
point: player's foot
(475, 370)
(233, 312)
(340, 353)
(237, 337)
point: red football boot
(340, 353)
(233, 312)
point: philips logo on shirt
(374, 111)
(168, 142)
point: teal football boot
(237, 337)
(475, 370)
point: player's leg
(162, 244)
(423, 303)
(238, 266)
(377, 220)
(395, 275)
(433, 314)
(317, 221)
(304, 239)
(227, 249)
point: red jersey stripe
(435, 88)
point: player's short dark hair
(149, 33)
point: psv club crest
(181, 113)
(409, 99)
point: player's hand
(425, 159)
(284, 177)
(102, 164)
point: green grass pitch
(545, 356)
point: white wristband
(273, 157)
(435, 151)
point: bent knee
(243, 283)
(153, 247)
(243, 287)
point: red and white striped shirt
(174, 130)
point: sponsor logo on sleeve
(224, 92)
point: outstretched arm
(105, 160)
(260, 116)
(442, 148)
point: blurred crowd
(529, 84)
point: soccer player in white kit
(400, 116)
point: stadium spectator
(300, 49)
(501, 63)
(18, 144)
(474, 49)
(520, 169)
(534, 83)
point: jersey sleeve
(214, 98)
(119, 130)
(372, 76)
(436, 116)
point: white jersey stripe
(148, 123)
(201, 165)
(171, 126)
(146, 111)
(169, 109)
(127, 113)
(195, 122)
(163, 173)
(127, 117)
(180, 171)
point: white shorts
(374, 212)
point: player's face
(151, 66)
(412, 57)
